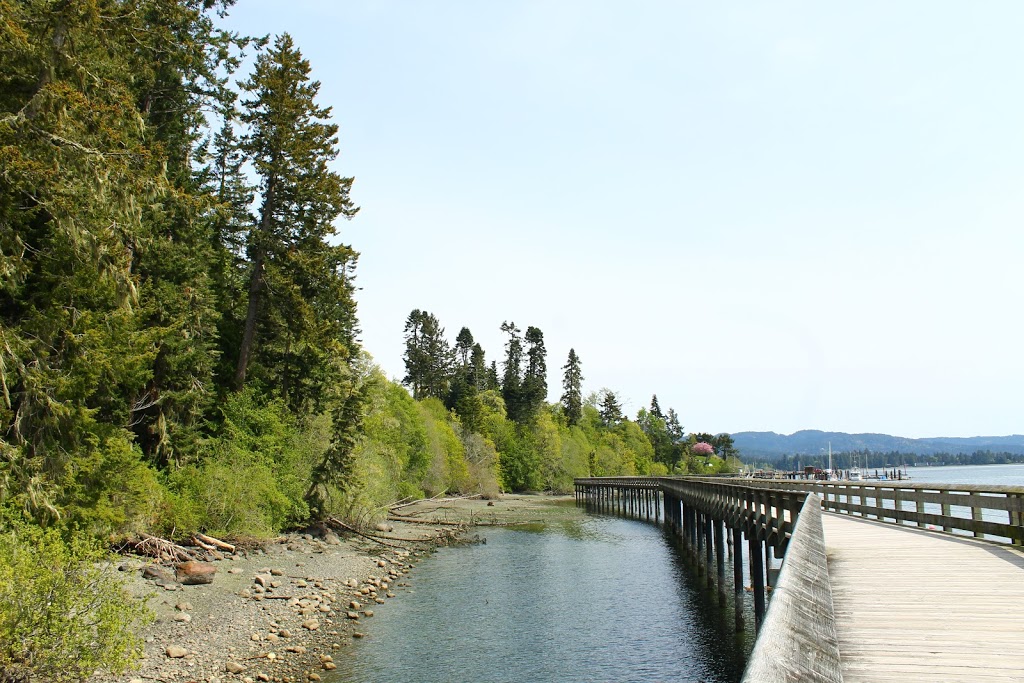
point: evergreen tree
(300, 316)
(655, 408)
(535, 382)
(464, 346)
(107, 323)
(478, 369)
(572, 386)
(493, 383)
(428, 358)
(611, 409)
(512, 379)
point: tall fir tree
(429, 360)
(610, 408)
(535, 380)
(572, 388)
(300, 323)
(512, 377)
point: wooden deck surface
(922, 606)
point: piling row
(715, 522)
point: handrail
(995, 513)
(798, 640)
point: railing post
(976, 515)
(756, 577)
(737, 573)
(720, 558)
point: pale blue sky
(773, 215)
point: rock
(255, 637)
(262, 677)
(275, 584)
(284, 633)
(330, 538)
(326, 658)
(301, 584)
(153, 572)
(297, 649)
(326, 609)
(175, 652)
(352, 615)
(261, 580)
(273, 638)
(381, 563)
(277, 572)
(195, 573)
(330, 666)
(357, 634)
(354, 605)
(314, 676)
(234, 667)
(368, 612)
(387, 528)
(235, 570)
(183, 617)
(271, 656)
(183, 607)
(311, 624)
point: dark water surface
(591, 599)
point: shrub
(62, 607)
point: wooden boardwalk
(914, 605)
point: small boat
(856, 475)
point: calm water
(1001, 475)
(594, 599)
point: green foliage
(254, 478)
(63, 612)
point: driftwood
(437, 499)
(412, 520)
(338, 524)
(162, 549)
(206, 548)
(215, 542)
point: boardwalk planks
(914, 605)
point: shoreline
(286, 610)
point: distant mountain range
(815, 442)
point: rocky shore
(288, 610)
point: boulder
(193, 573)
(154, 572)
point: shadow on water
(586, 598)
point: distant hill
(813, 442)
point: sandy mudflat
(304, 617)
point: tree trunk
(255, 286)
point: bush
(62, 607)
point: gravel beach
(287, 610)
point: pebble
(234, 667)
(284, 633)
(314, 676)
(175, 651)
(183, 617)
(330, 666)
(311, 624)
(277, 572)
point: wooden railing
(995, 513)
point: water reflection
(587, 599)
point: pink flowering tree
(702, 448)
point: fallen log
(215, 542)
